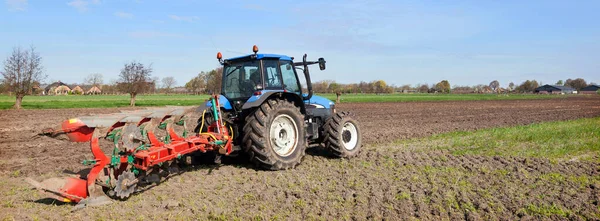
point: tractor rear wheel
(202, 127)
(342, 135)
(274, 135)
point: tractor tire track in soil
(382, 182)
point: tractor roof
(261, 56)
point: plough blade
(67, 189)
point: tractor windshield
(240, 79)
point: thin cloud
(184, 18)
(16, 5)
(82, 5)
(123, 15)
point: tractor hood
(318, 100)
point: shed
(554, 89)
(591, 89)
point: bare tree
(168, 83)
(494, 85)
(94, 79)
(423, 88)
(134, 79)
(21, 70)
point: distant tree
(494, 85)
(321, 86)
(462, 89)
(351, 88)
(423, 88)
(21, 70)
(197, 84)
(578, 83)
(364, 87)
(334, 87)
(337, 89)
(559, 82)
(511, 86)
(168, 83)
(443, 86)
(135, 79)
(213, 80)
(405, 88)
(94, 79)
(380, 86)
(2, 86)
(527, 86)
(479, 88)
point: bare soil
(382, 182)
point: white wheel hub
(284, 135)
(349, 136)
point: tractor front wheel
(274, 135)
(342, 135)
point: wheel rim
(284, 135)
(349, 136)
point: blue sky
(401, 42)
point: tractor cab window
(240, 79)
(272, 76)
(290, 82)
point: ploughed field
(387, 180)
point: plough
(139, 156)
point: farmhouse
(76, 89)
(590, 89)
(554, 89)
(92, 90)
(57, 88)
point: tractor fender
(257, 100)
(223, 103)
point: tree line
(380, 86)
(23, 73)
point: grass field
(559, 140)
(99, 101)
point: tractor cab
(247, 76)
(251, 79)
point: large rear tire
(342, 135)
(208, 120)
(274, 135)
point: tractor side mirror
(322, 64)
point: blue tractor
(273, 122)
